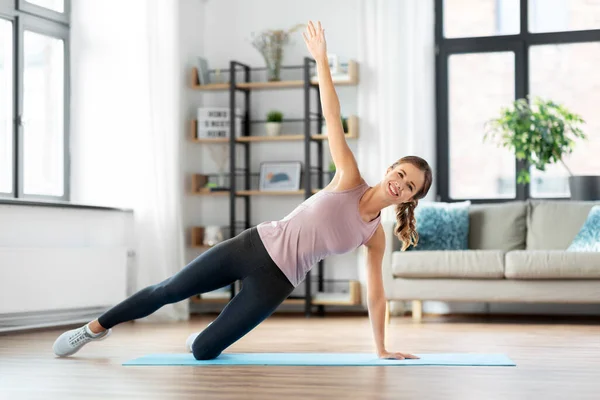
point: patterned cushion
(588, 238)
(442, 226)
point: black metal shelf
(212, 71)
(262, 121)
(242, 175)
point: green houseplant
(541, 132)
(274, 119)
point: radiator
(54, 286)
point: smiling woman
(273, 258)
(411, 178)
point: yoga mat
(324, 359)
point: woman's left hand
(397, 356)
(314, 37)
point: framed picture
(203, 71)
(280, 176)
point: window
(568, 73)
(491, 52)
(6, 106)
(563, 15)
(469, 18)
(43, 115)
(478, 84)
(55, 5)
(34, 105)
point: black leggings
(264, 288)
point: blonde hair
(406, 224)
(406, 229)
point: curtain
(396, 96)
(126, 128)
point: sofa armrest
(386, 265)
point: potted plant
(273, 125)
(542, 132)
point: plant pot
(273, 128)
(585, 187)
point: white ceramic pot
(273, 128)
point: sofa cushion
(442, 226)
(498, 226)
(481, 264)
(552, 264)
(553, 224)
(588, 238)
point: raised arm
(342, 156)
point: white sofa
(517, 253)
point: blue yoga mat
(324, 359)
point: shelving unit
(351, 298)
(269, 193)
(224, 299)
(350, 80)
(207, 192)
(351, 134)
(239, 176)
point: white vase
(273, 128)
(212, 235)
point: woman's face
(402, 182)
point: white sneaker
(190, 341)
(71, 341)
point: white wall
(227, 29)
(58, 260)
(197, 210)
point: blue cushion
(588, 238)
(443, 226)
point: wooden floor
(555, 360)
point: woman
(274, 257)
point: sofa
(517, 252)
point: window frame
(520, 44)
(28, 17)
(4, 15)
(33, 9)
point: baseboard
(35, 320)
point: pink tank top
(326, 223)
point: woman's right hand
(315, 41)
